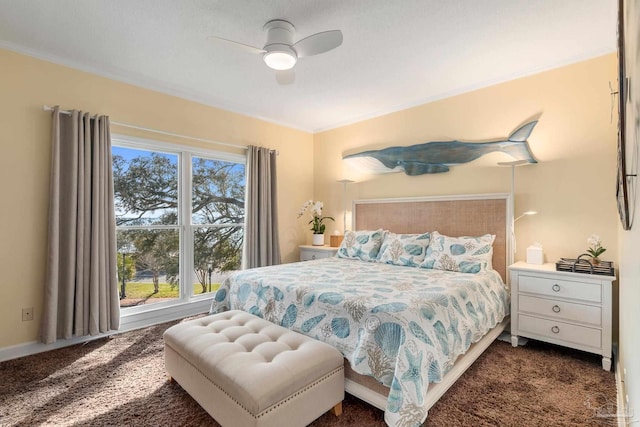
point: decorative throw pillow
(364, 245)
(465, 254)
(407, 250)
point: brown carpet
(120, 381)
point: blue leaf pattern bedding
(404, 326)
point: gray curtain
(262, 245)
(81, 288)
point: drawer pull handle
(555, 329)
(556, 308)
(556, 288)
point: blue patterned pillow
(364, 245)
(407, 250)
(464, 254)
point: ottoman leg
(337, 410)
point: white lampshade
(280, 57)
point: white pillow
(465, 254)
(364, 245)
(407, 250)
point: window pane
(145, 187)
(217, 252)
(148, 266)
(218, 192)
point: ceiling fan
(281, 53)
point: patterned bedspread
(405, 326)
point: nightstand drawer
(561, 309)
(308, 253)
(555, 330)
(560, 288)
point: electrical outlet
(27, 314)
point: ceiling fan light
(279, 60)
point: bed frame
(463, 215)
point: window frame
(185, 225)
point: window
(175, 207)
(217, 217)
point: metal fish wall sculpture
(436, 157)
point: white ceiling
(395, 54)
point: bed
(403, 329)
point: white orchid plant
(595, 246)
(317, 220)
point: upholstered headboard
(463, 215)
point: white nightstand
(564, 308)
(308, 252)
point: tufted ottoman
(246, 371)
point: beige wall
(27, 84)
(573, 186)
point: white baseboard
(128, 322)
(621, 403)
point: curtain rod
(161, 132)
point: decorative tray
(582, 265)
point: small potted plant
(317, 220)
(595, 248)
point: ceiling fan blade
(243, 46)
(318, 43)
